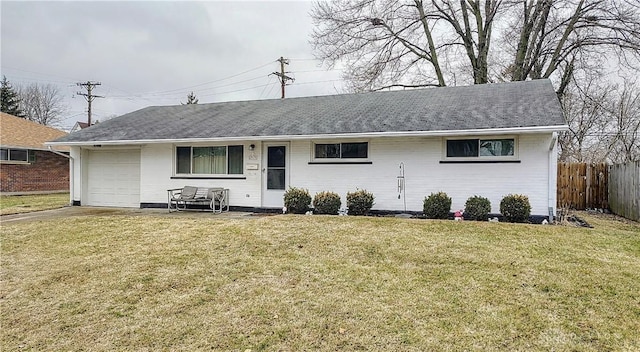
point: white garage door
(114, 178)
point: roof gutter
(9, 146)
(59, 153)
(472, 132)
(552, 177)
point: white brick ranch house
(489, 140)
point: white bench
(180, 199)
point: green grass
(291, 283)
(31, 203)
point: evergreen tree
(9, 100)
(191, 99)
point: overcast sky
(156, 52)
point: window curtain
(209, 160)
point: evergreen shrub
(326, 203)
(437, 206)
(359, 202)
(477, 208)
(515, 208)
(297, 200)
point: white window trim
(191, 174)
(339, 160)
(515, 156)
(14, 162)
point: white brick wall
(424, 174)
(157, 163)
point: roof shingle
(504, 105)
(22, 133)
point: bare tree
(624, 139)
(561, 36)
(42, 103)
(434, 42)
(604, 122)
(585, 108)
(383, 44)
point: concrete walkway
(104, 211)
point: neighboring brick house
(26, 164)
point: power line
(67, 80)
(270, 89)
(211, 88)
(265, 87)
(167, 96)
(329, 80)
(18, 79)
(234, 91)
(129, 93)
(321, 70)
(214, 81)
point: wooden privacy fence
(582, 186)
(624, 190)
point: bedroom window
(480, 148)
(358, 150)
(218, 160)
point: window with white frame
(210, 160)
(480, 147)
(357, 150)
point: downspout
(553, 176)
(71, 165)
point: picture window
(210, 160)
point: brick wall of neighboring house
(49, 172)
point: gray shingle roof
(504, 105)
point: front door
(275, 176)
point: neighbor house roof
(531, 105)
(17, 132)
(79, 125)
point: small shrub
(515, 208)
(326, 203)
(437, 206)
(297, 200)
(477, 208)
(359, 202)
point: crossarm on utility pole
(88, 85)
(282, 74)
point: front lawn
(30, 203)
(293, 283)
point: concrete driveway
(103, 211)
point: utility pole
(282, 75)
(88, 85)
